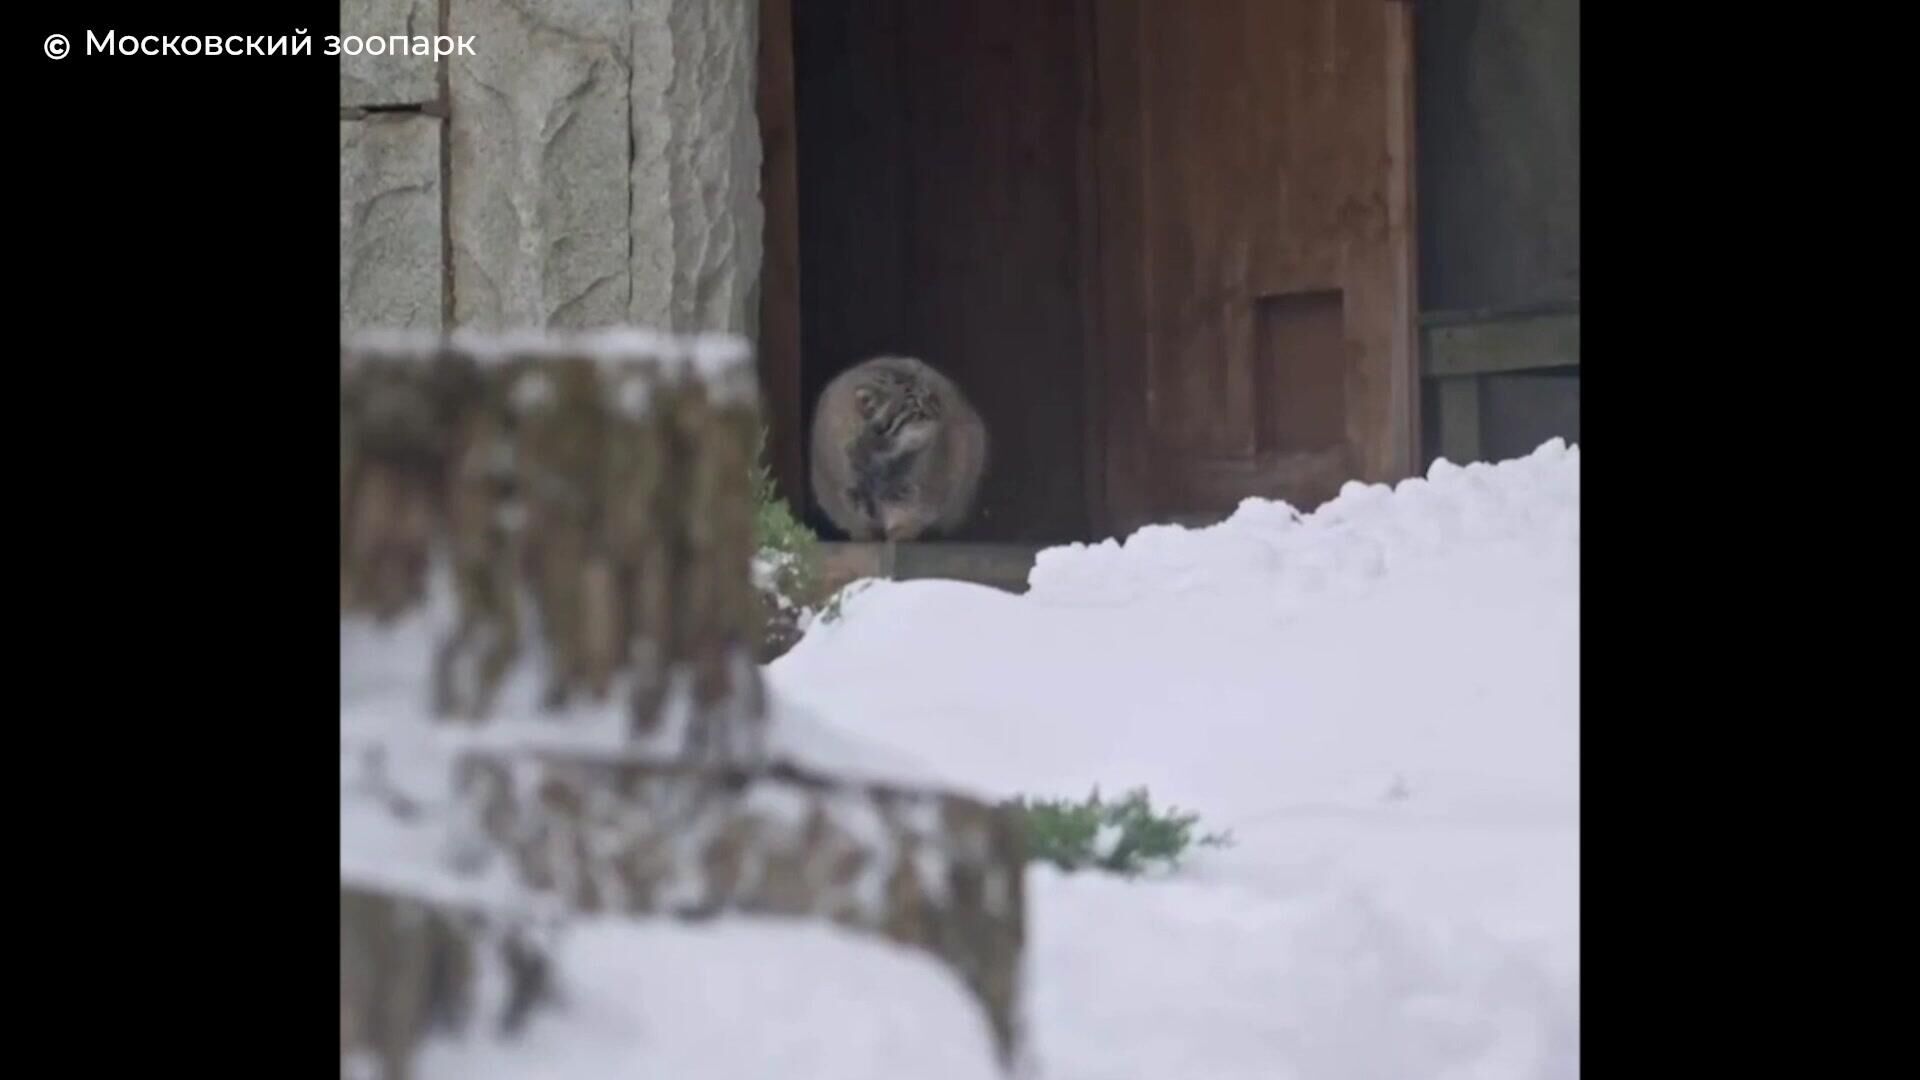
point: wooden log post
(579, 507)
(925, 869)
(409, 968)
(600, 479)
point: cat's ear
(863, 400)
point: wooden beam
(1564, 305)
(1002, 566)
(779, 344)
(1525, 343)
(1459, 419)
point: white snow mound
(1380, 700)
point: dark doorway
(939, 208)
(1167, 248)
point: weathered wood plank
(1002, 566)
(1453, 316)
(1460, 419)
(1525, 343)
(780, 312)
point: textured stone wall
(697, 214)
(390, 250)
(540, 152)
(591, 163)
(367, 80)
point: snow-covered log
(577, 508)
(601, 479)
(409, 967)
(926, 869)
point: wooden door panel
(779, 337)
(1256, 257)
(992, 100)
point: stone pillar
(392, 189)
(590, 163)
(390, 245)
(388, 80)
(605, 164)
(697, 214)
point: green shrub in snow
(786, 563)
(1124, 837)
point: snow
(1379, 700)
(1224, 981)
(399, 344)
(741, 1000)
(723, 362)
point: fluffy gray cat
(898, 451)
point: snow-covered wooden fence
(569, 518)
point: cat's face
(898, 416)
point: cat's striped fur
(898, 451)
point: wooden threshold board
(1002, 566)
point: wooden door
(778, 352)
(1255, 257)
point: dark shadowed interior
(938, 202)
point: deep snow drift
(743, 999)
(1379, 700)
